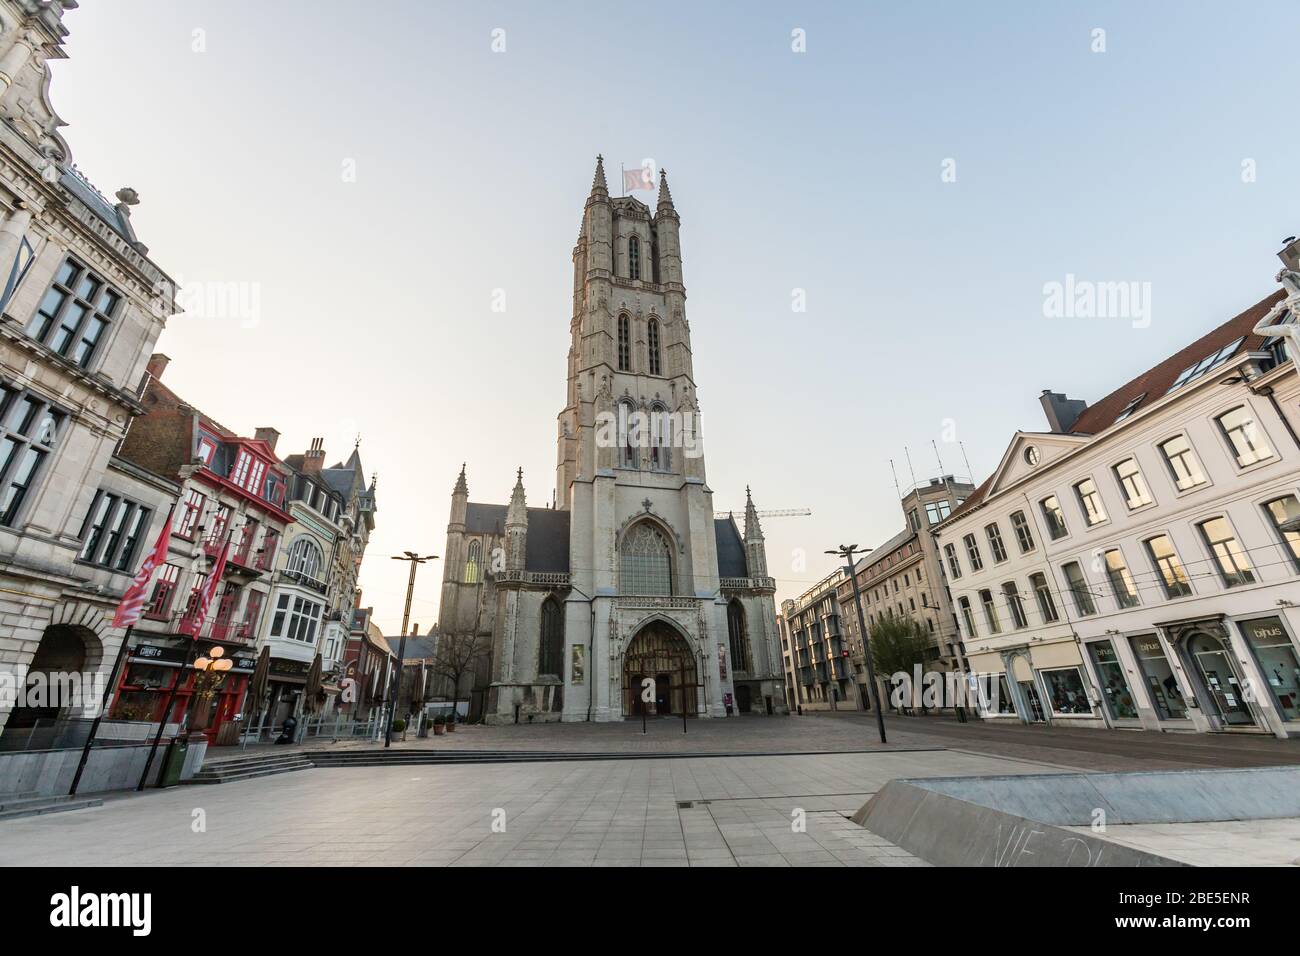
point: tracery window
(645, 566)
(550, 656)
(473, 557)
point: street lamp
(416, 560)
(210, 673)
(846, 551)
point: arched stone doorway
(62, 657)
(660, 653)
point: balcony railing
(231, 631)
(297, 577)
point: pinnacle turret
(598, 184)
(665, 196)
(462, 488)
(753, 532)
(517, 513)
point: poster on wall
(722, 662)
(577, 665)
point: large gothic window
(661, 439)
(739, 639)
(473, 558)
(634, 258)
(627, 435)
(624, 344)
(550, 651)
(652, 337)
(645, 567)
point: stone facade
(629, 588)
(82, 306)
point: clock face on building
(1031, 455)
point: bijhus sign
(76, 909)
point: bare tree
(457, 655)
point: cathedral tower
(629, 586)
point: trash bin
(174, 761)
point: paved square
(708, 811)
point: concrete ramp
(1020, 820)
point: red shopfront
(153, 670)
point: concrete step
(247, 762)
(249, 766)
(203, 777)
(12, 808)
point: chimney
(314, 460)
(1061, 412)
(1290, 254)
(157, 365)
(268, 435)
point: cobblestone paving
(710, 811)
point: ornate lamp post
(210, 673)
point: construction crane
(779, 513)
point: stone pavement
(1218, 843)
(710, 811)
(1075, 748)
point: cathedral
(628, 597)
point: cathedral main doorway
(661, 654)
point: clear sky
(371, 173)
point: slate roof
(731, 549)
(547, 548)
(1155, 382)
(74, 183)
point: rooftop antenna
(970, 475)
(909, 465)
(897, 489)
(936, 456)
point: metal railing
(70, 733)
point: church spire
(598, 184)
(755, 551)
(461, 488)
(752, 530)
(665, 196)
(517, 513)
(517, 526)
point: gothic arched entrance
(61, 661)
(660, 653)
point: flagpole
(103, 707)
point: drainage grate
(684, 804)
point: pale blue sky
(818, 171)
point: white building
(82, 306)
(1126, 568)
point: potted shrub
(451, 722)
(438, 726)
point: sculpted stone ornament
(1289, 331)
